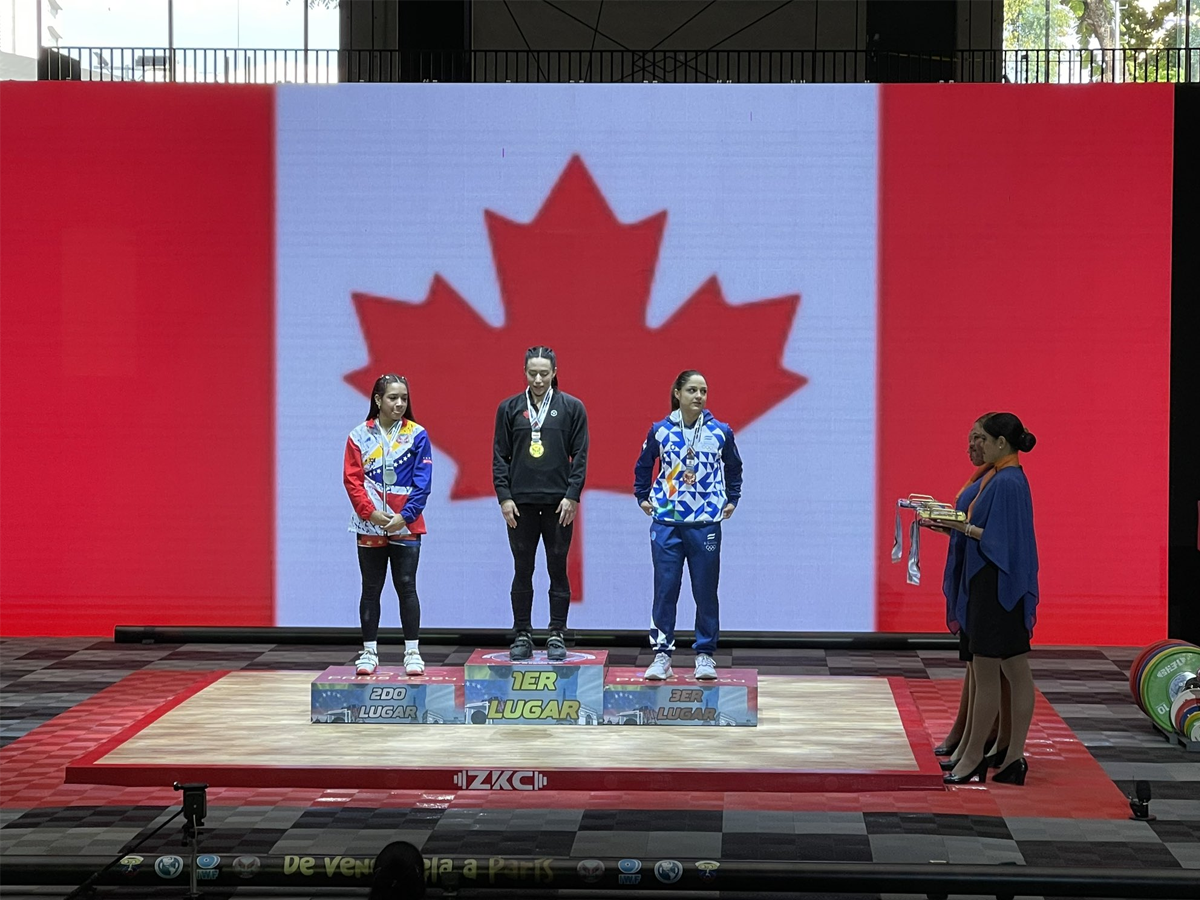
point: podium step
(390, 697)
(491, 689)
(536, 691)
(629, 699)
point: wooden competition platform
(252, 729)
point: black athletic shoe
(556, 647)
(521, 647)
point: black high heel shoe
(945, 748)
(947, 764)
(994, 759)
(980, 772)
(1013, 773)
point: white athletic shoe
(706, 669)
(413, 664)
(660, 669)
(367, 662)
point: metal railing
(194, 65)
(254, 66)
(1123, 66)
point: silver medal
(385, 445)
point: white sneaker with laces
(367, 662)
(706, 669)
(660, 669)
(413, 664)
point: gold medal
(535, 422)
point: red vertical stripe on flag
(1025, 267)
(137, 356)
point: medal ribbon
(536, 419)
(385, 444)
(914, 553)
(689, 444)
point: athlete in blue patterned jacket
(698, 486)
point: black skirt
(992, 630)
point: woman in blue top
(956, 616)
(698, 486)
(1000, 581)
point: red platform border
(88, 769)
(106, 747)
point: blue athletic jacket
(678, 499)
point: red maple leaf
(578, 280)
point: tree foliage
(1025, 25)
(1077, 23)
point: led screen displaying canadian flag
(200, 285)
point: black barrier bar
(503, 875)
(495, 637)
(276, 66)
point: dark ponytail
(1007, 426)
(380, 388)
(540, 352)
(680, 381)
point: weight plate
(1186, 703)
(1143, 669)
(1147, 666)
(1135, 669)
(1165, 677)
(1191, 725)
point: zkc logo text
(500, 780)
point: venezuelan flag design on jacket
(409, 456)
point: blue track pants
(700, 546)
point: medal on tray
(931, 510)
(927, 509)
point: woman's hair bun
(1006, 425)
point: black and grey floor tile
(40, 679)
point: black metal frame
(496, 637)
(274, 66)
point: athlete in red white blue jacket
(387, 471)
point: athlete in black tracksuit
(538, 483)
